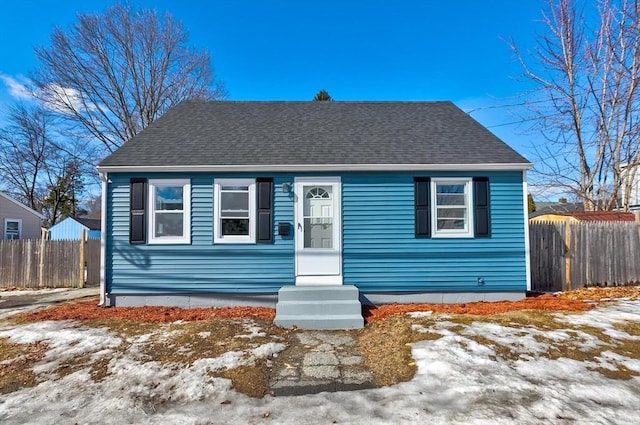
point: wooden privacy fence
(34, 263)
(569, 256)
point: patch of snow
(458, 381)
(419, 328)
(254, 330)
(66, 341)
(228, 360)
(419, 314)
(270, 349)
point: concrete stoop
(319, 307)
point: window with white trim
(169, 211)
(12, 228)
(451, 200)
(234, 211)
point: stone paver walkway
(320, 361)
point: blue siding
(200, 267)
(380, 252)
(69, 229)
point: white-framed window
(234, 211)
(452, 212)
(12, 228)
(169, 211)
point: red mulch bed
(545, 302)
(87, 310)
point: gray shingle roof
(91, 223)
(313, 133)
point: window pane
(234, 201)
(168, 197)
(452, 213)
(318, 233)
(451, 199)
(449, 188)
(12, 226)
(235, 226)
(450, 224)
(169, 224)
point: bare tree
(36, 161)
(25, 147)
(588, 77)
(112, 74)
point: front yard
(525, 366)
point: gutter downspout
(527, 248)
(103, 239)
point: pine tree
(322, 96)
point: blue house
(71, 228)
(314, 207)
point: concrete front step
(318, 293)
(322, 307)
(319, 307)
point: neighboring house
(312, 204)
(574, 213)
(17, 221)
(631, 185)
(582, 216)
(71, 229)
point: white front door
(318, 231)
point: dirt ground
(563, 301)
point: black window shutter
(422, 200)
(264, 204)
(137, 215)
(482, 225)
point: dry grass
(252, 380)
(543, 320)
(385, 344)
(16, 364)
(597, 293)
(181, 344)
(386, 350)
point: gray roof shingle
(212, 133)
(91, 223)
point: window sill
(452, 236)
(238, 241)
(169, 241)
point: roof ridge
(318, 103)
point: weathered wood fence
(34, 263)
(569, 256)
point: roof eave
(34, 212)
(314, 167)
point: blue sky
(356, 50)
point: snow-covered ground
(459, 381)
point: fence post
(567, 257)
(83, 247)
(43, 234)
